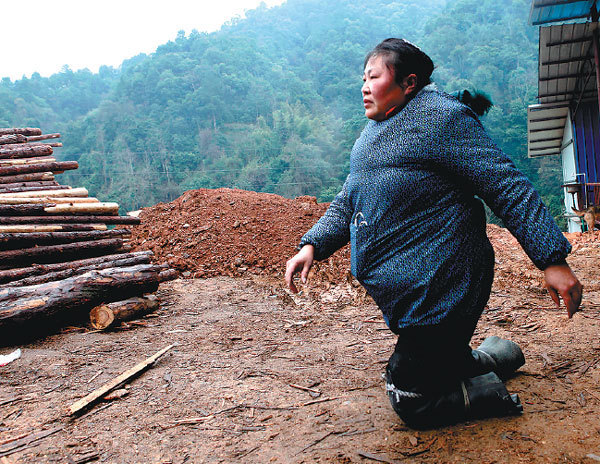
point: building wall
(569, 167)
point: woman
(419, 246)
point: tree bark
(103, 316)
(10, 241)
(58, 166)
(53, 303)
(119, 260)
(36, 176)
(25, 151)
(57, 253)
(21, 130)
(73, 271)
(70, 220)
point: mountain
(271, 102)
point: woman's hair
(405, 58)
(479, 102)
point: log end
(101, 317)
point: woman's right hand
(301, 262)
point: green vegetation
(272, 102)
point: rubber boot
(501, 356)
(476, 398)
(486, 396)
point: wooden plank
(97, 394)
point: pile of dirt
(228, 232)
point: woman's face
(381, 94)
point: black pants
(427, 370)
(434, 359)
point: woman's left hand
(560, 280)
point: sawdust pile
(207, 233)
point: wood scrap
(86, 402)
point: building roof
(545, 128)
(550, 11)
(566, 75)
(566, 63)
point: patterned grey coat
(416, 229)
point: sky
(43, 36)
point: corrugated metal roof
(545, 128)
(551, 11)
(566, 63)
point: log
(21, 161)
(21, 130)
(84, 208)
(6, 210)
(57, 166)
(37, 138)
(50, 144)
(12, 200)
(70, 220)
(105, 315)
(69, 192)
(54, 303)
(36, 176)
(40, 183)
(13, 138)
(9, 241)
(25, 151)
(50, 228)
(168, 274)
(32, 189)
(120, 260)
(93, 397)
(73, 271)
(54, 208)
(57, 253)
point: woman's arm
(329, 234)
(468, 153)
(332, 231)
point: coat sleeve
(467, 152)
(332, 231)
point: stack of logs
(60, 258)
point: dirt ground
(261, 375)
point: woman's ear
(410, 83)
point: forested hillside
(272, 102)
